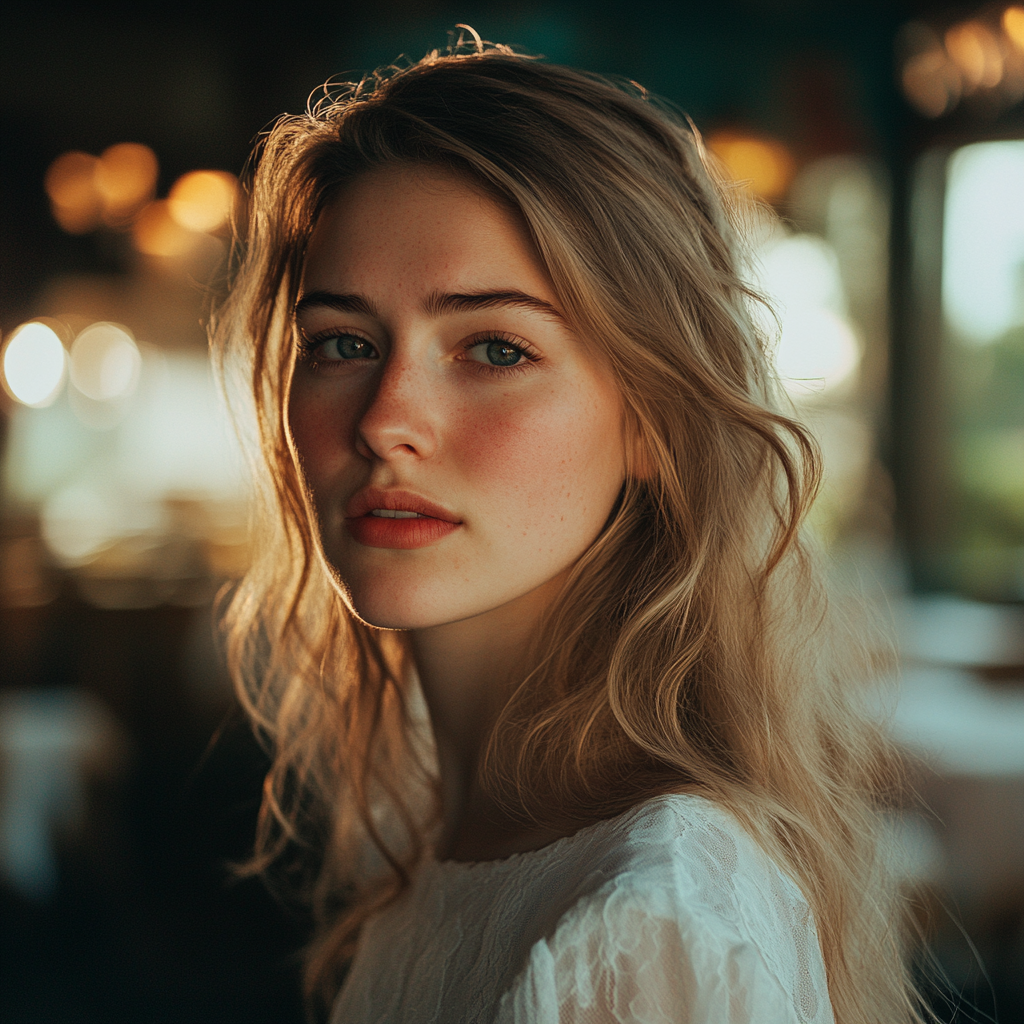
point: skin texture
(526, 461)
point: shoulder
(704, 863)
(685, 859)
(691, 921)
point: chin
(386, 617)
(394, 606)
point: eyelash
(308, 347)
(529, 353)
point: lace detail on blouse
(669, 912)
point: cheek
(320, 428)
(549, 459)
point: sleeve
(626, 956)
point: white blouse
(669, 912)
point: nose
(399, 420)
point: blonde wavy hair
(691, 649)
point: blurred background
(888, 135)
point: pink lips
(430, 524)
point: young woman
(560, 733)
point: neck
(468, 671)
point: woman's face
(461, 446)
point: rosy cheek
(521, 456)
(320, 430)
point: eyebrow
(341, 303)
(436, 304)
(440, 302)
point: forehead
(421, 226)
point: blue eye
(343, 346)
(496, 353)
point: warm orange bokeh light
(126, 179)
(1013, 25)
(71, 185)
(765, 164)
(157, 233)
(976, 53)
(202, 200)
(931, 82)
(972, 58)
(86, 191)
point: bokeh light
(981, 58)
(34, 364)
(764, 164)
(930, 79)
(202, 200)
(71, 185)
(126, 179)
(1013, 26)
(157, 233)
(975, 51)
(105, 362)
(77, 522)
(86, 191)
(983, 241)
(818, 348)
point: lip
(365, 501)
(432, 523)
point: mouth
(400, 520)
(395, 513)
